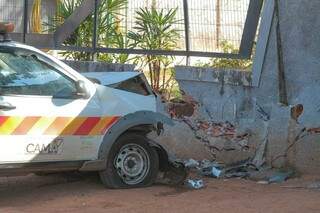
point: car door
(43, 118)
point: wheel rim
(132, 164)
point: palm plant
(108, 14)
(154, 30)
(117, 40)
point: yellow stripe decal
(73, 126)
(10, 125)
(42, 124)
(98, 129)
(57, 126)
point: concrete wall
(227, 95)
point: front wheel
(131, 163)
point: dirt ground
(86, 194)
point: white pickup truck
(53, 119)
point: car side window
(24, 72)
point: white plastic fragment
(195, 184)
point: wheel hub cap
(132, 164)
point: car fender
(125, 123)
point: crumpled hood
(109, 78)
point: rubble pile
(244, 169)
(222, 137)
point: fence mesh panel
(210, 21)
(12, 11)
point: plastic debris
(195, 184)
(216, 172)
(212, 171)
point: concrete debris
(191, 163)
(217, 170)
(242, 169)
(268, 176)
(218, 136)
(280, 177)
(195, 184)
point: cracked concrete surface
(274, 128)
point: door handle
(6, 106)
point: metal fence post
(186, 29)
(95, 28)
(25, 20)
(250, 27)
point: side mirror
(82, 90)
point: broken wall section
(288, 136)
(227, 114)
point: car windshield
(24, 72)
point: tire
(131, 163)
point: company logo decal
(54, 148)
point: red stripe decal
(25, 125)
(87, 126)
(3, 119)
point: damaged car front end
(136, 91)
